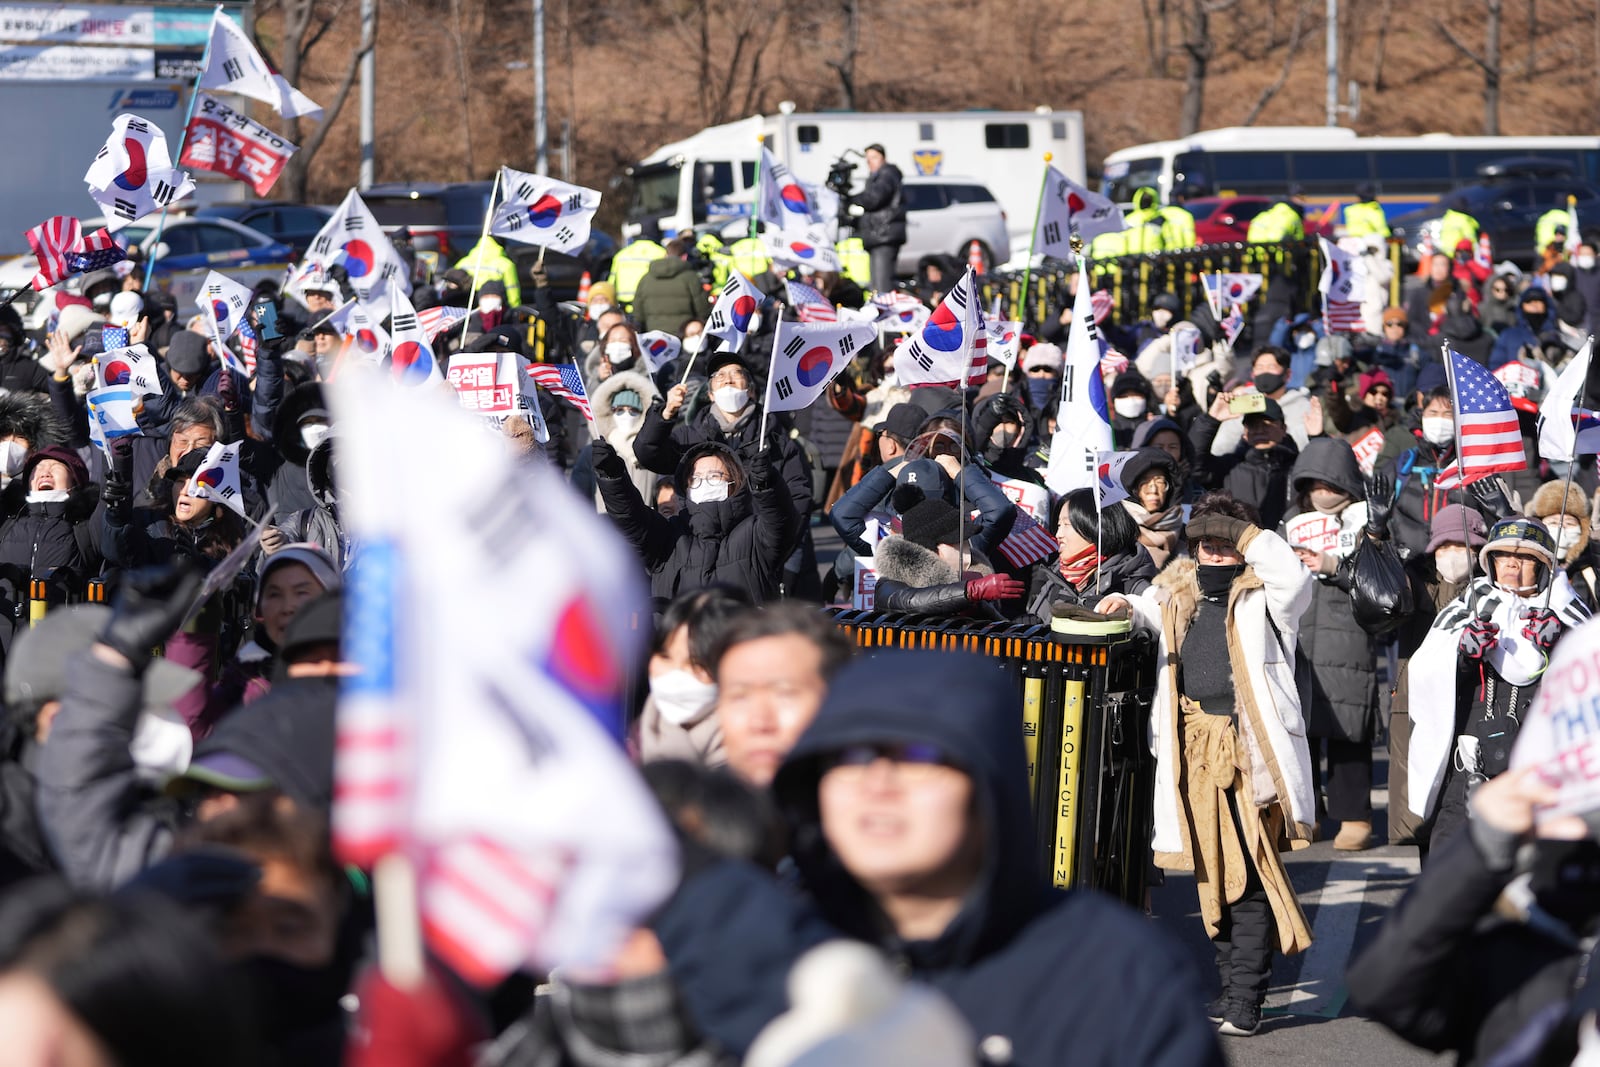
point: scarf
(1077, 569)
(1514, 658)
(1170, 519)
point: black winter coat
(1129, 573)
(1053, 976)
(1418, 499)
(1258, 477)
(742, 541)
(47, 541)
(661, 445)
(885, 220)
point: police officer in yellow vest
(630, 264)
(1456, 226)
(1545, 230)
(1365, 217)
(1177, 230)
(854, 261)
(1145, 230)
(1280, 222)
(748, 255)
(487, 261)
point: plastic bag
(1380, 589)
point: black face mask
(1536, 319)
(1217, 578)
(1267, 384)
(289, 999)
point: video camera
(840, 178)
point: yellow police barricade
(1085, 701)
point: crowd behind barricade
(167, 888)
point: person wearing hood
(1569, 526)
(1165, 310)
(1233, 783)
(930, 568)
(619, 405)
(670, 293)
(19, 371)
(1569, 312)
(318, 524)
(1042, 364)
(1256, 473)
(1270, 370)
(300, 423)
(53, 538)
(1498, 308)
(1331, 518)
(737, 527)
(486, 261)
(1003, 430)
(1535, 328)
(1168, 435)
(1481, 665)
(491, 311)
(1373, 408)
(1132, 405)
(1100, 555)
(27, 422)
(907, 802)
(1155, 489)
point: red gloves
(1478, 638)
(994, 587)
(431, 1026)
(1541, 626)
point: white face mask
(489, 303)
(313, 434)
(682, 699)
(625, 423)
(1567, 539)
(1437, 431)
(708, 493)
(619, 353)
(1558, 283)
(1583, 262)
(48, 496)
(693, 345)
(731, 399)
(1305, 340)
(1160, 317)
(1129, 407)
(597, 308)
(1453, 564)
(13, 454)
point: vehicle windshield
(404, 211)
(1201, 209)
(655, 192)
(1121, 179)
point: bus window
(1247, 173)
(1191, 175)
(1005, 135)
(1413, 172)
(1329, 172)
(655, 192)
(747, 173)
(807, 134)
(716, 180)
(1121, 179)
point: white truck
(710, 178)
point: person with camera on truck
(882, 222)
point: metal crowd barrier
(1085, 701)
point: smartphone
(1247, 404)
(265, 314)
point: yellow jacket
(485, 261)
(1455, 227)
(1366, 220)
(629, 265)
(1280, 222)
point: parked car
(945, 215)
(1505, 209)
(446, 220)
(1224, 219)
(293, 224)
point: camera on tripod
(840, 178)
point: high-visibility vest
(1144, 233)
(1366, 220)
(1280, 222)
(1544, 231)
(1109, 245)
(630, 264)
(749, 256)
(855, 262)
(1455, 227)
(1178, 229)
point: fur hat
(1043, 355)
(31, 417)
(1547, 502)
(1514, 533)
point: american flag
(1486, 423)
(564, 381)
(1233, 323)
(100, 250)
(1101, 302)
(1342, 316)
(1028, 542)
(438, 318)
(247, 347)
(113, 337)
(61, 250)
(810, 304)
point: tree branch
(1283, 72)
(1463, 49)
(331, 111)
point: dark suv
(1506, 209)
(447, 218)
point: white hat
(1043, 355)
(126, 307)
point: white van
(710, 177)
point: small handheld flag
(563, 380)
(234, 66)
(541, 211)
(952, 348)
(218, 478)
(732, 314)
(808, 356)
(132, 175)
(1487, 428)
(1067, 208)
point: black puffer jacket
(660, 445)
(55, 541)
(1256, 476)
(1417, 497)
(1344, 697)
(283, 467)
(885, 220)
(741, 541)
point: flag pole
(772, 364)
(332, 313)
(1572, 461)
(394, 897)
(183, 137)
(477, 260)
(594, 429)
(755, 201)
(1038, 208)
(1461, 472)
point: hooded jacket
(1344, 692)
(1010, 462)
(1049, 975)
(318, 524)
(56, 540)
(605, 425)
(1579, 560)
(669, 295)
(661, 445)
(1144, 437)
(1255, 476)
(741, 541)
(287, 488)
(1527, 333)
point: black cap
(902, 422)
(284, 740)
(317, 622)
(187, 353)
(187, 464)
(932, 523)
(719, 360)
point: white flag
(362, 338)
(1005, 340)
(132, 175)
(411, 358)
(132, 368)
(111, 414)
(352, 239)
(542, 211)
(1558, 436)
(218, 478)
(1108, 487)
(1343, 277)
(1083, 419)
(809, 247)
(481, 737)
(225, 302)
(234, 66)
(1067, 207)
(953, 346)
(806, 356)
(660, 348)
(1185, 349)
(733, 316)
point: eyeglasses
(698, 480)
(728, 379)
(1394, 326)
(1386, 394)
(913, 760)
(1159, 481)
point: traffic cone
(583, 288)
(975, 257)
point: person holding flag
(1100, 556)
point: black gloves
(1380, 504)
(1491, 494)
(118, 488)
(607, 464)
(1215, 525)
(759, 466)
(153, 603)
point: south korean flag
(537, 210)
(218, 478)
(132, 175)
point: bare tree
(1488, 62)
(1296, 38)
(729, 40)
(1155, 35)
(1383, 40)
(845, 65)
(305, 24)
(458, 40)
(1198, 50)
(1533, 40)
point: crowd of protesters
(167, 889)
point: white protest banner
(1313, 531)
(485, 382)
(1561, 733)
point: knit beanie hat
(932, 523)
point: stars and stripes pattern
(1029, 542)
(62, 250)
(439, 318)
(564, 381)
(1343, 316)
(810, 304)
(1486, 426)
